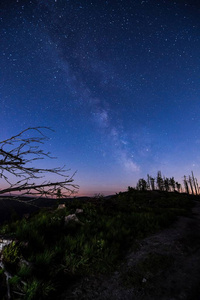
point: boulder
(61, 206)
(79, 211)
(71, 218)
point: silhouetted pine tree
(159, 181)
(166, 184)
(58, 193)
(148, 182)
(142, 185)
(152, 182)
(172, 183)
(178, 186)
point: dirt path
(165, 266)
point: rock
(79, 211)
(24, 262)
(71, 218)
(61, 206)
(4, 242)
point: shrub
(11, 254)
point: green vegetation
(11, 255)
(48, 254)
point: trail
(179, 280)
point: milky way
(118, 81)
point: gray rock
(61, 206)
(79, 211)
(71, 218)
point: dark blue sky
(118, 81)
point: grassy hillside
(48, 254)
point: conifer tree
(166, 184)
(152, 182)
(178, 186)
(172, 183)
(159, 181)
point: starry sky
(118, 81)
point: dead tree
(191, 187)
(186, 185)
(17, 155)
(194, 183)
(197, 186)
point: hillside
(165, 265)
(111, 252)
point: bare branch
(16, 156)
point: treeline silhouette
(162, 183)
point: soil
(164, 266)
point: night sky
(118, 81)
